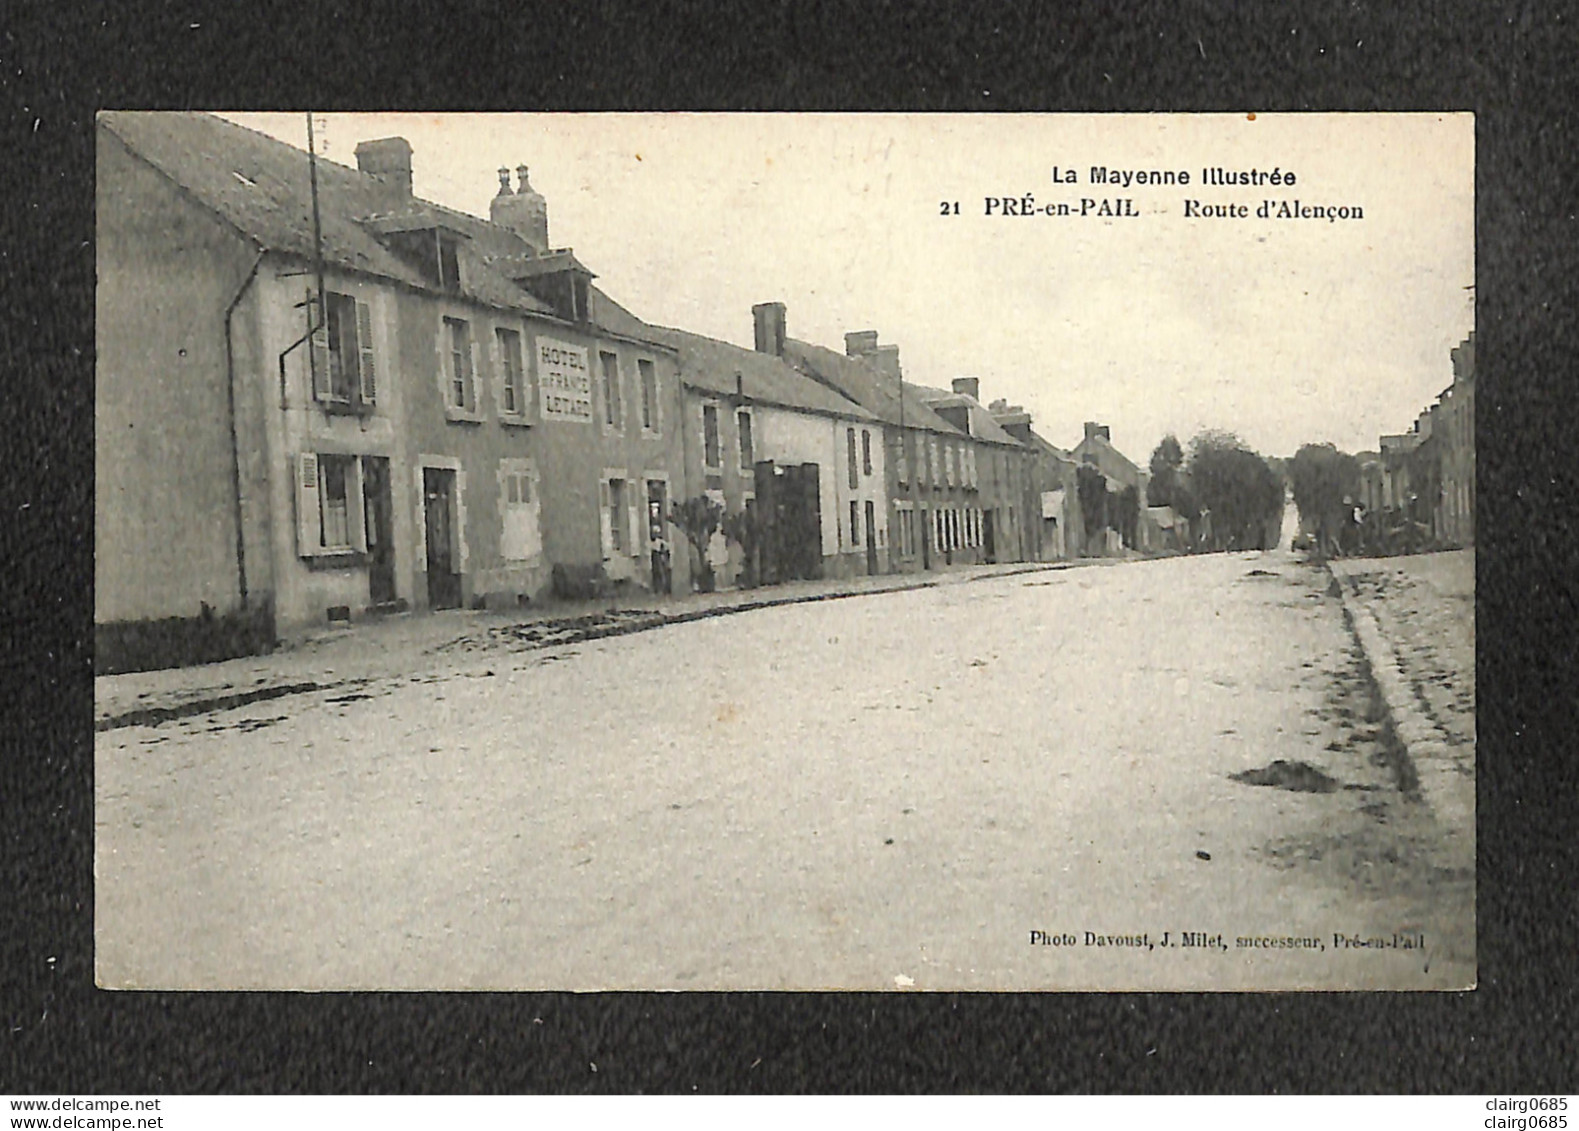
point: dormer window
(449, 262)
(557, 279)
(431, 247)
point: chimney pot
(523, 212)
(968, 386)
(768, 323)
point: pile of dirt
(1300, 777)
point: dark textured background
(1510, 62)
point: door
(438, 505)
(924, 526)
(658, 544)
(989, 546)
(378, 508)
(871, 537)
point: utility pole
(312, 177)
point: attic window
(449, 264)
(244, 179)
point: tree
(1167, 462)
(698, 519)
(1243, 494)
(1325, 482)
(1129, 515)
(1170, 485)
(745, 528)
(1091, 488)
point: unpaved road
(880, 792)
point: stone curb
(171, 706)
(1445, 777)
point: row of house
(319, 397)
(1426, 476)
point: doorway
(871, 537)
(989, 544)
(438, 506)
(658, 545)
(379, 511)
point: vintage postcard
(785, 551)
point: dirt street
(888, 791)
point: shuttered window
(330, 511)
(344, 369)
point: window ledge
(336, 559)
(462, 415)
(346, 408)
(515, 419)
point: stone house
(1055, 485)
(985, 508)
(1122, 476)
(869, 375)
(762, 438)
(428, 428)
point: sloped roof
(261, 187)
(982, 425)
(711, 365)
(1041, 444)
(1107, 457)
(867, 386)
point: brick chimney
(388, 159)
(1095, 429)
(524, 212)
(768, 320)
(859, 343)
(863, 344)
(969, 387)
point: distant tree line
(1230, 494)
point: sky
(1284, 331)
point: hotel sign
(564, 380)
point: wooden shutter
(318, 352)
(355, 507)
(309, 530)
(605, 531)
(633, 513)
(364, 341)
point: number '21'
(948, 208)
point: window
(520, 536)
(611, 389)
(712, 455)
(330, 516)
(748, 460)
(907, 532)
(901, 459)
(616, 506)
(866, 452)
(855, 479)
(855, 523)
(936, 466)
(511, 395)
(649, 395)
(461, 391)
(449, 264)
(342, 352)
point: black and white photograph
(795, 551)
